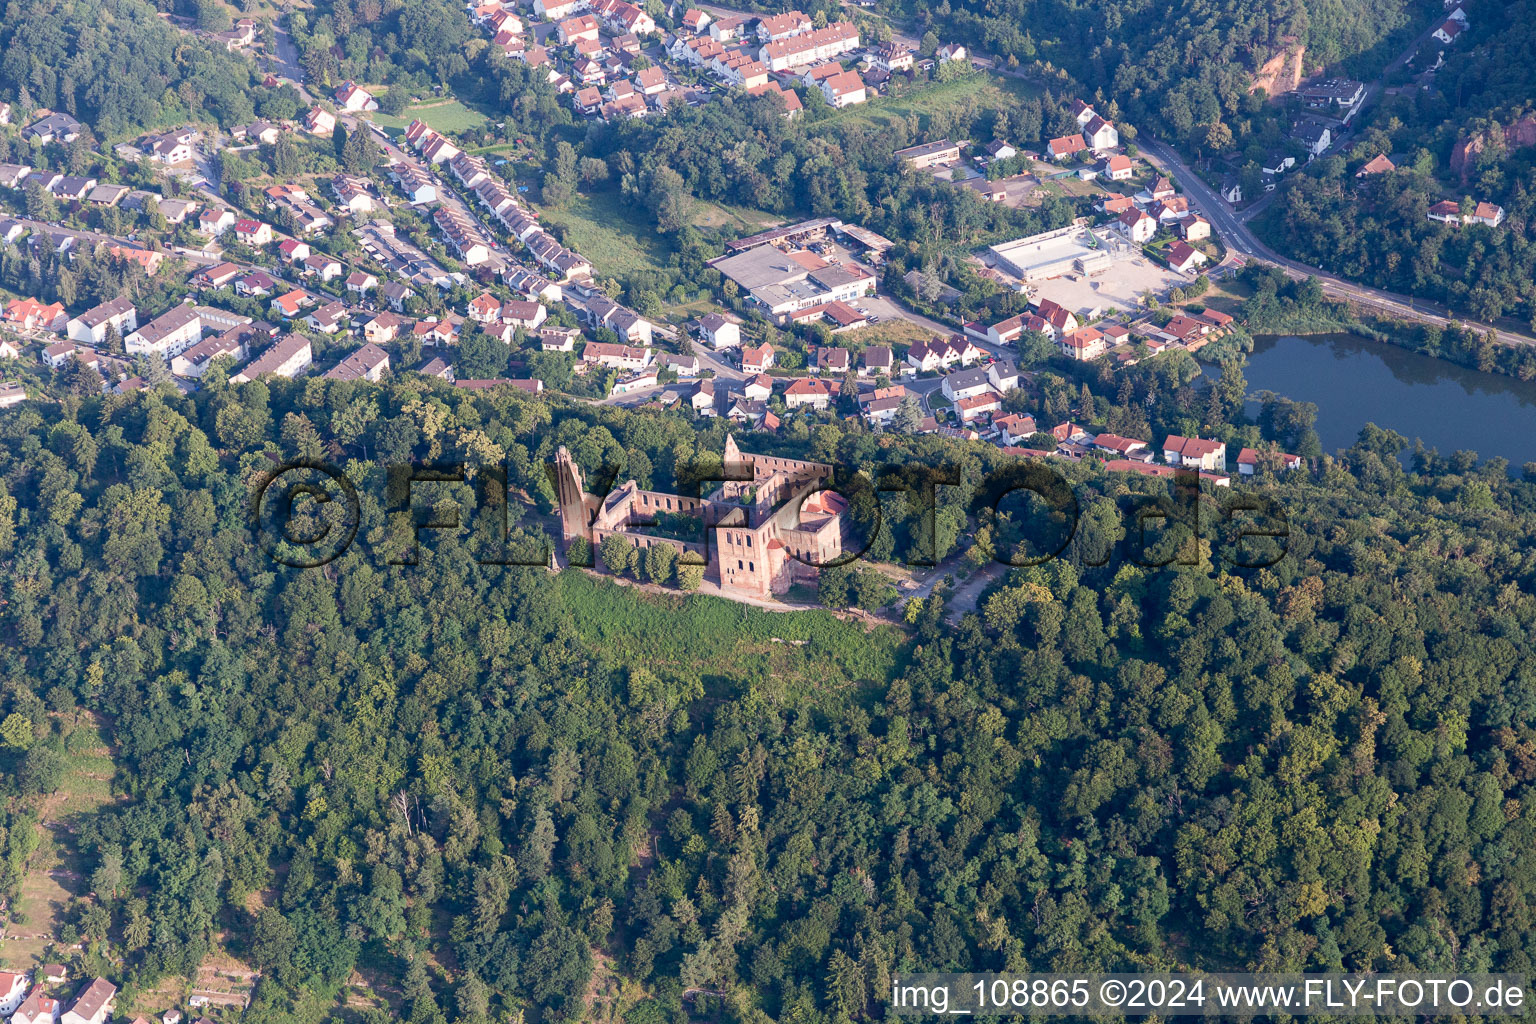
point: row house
(788, 97)
(622, 17)
(417, 185)
(616, 357)
(774, 27)
(470, 170)
(942, 353)
(433, 147)
(812, 47)
(462, 235)
(1195, 453)
(353, 193)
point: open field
(727, 644)
(734, 218)
(447, 116)
(616, 236)
(981, 88)
(56, 871)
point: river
(1353, 382)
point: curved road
(1241, 240)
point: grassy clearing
(56, 871)
(616, 236)
(886, 332)
(735, 218)
(447, 116)
(981, 88)
(729, 644)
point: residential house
(289, 357)
(1448, 31)
(216, 276)
(1124, 447)
(817, 394)
(253, 232)
(1083, 344)
(1194, 229)
(757, 358)
(976, 406)
(876, 359)
(329, 318)
(13, 989)
(719, 332)
(215, 220)
(1061, 319)
(949, 52)
(1378, 164)
(965, 383)
(289, 304)
(558, 339)
(355, 98)
(368, 363)
(1014, 427)
(319, 121)
(257, 284)
(326, 268)
(1195, 453)
(703, 400)
(1137, 225)
(1487, 214)
(360, 282)
(1117, 167)
(1100, 134)
(881, 406)
(1314, 136)
(53, 128)
(1066, 147)
(384, 327)
(37, 1008)
(684, 366)
(396, 294)
(1248, 462)
(522, 314)
(32, 314)
(93, 1005)
(1184, 259)
(617, 357)
(1003, 375)
(831, 360)
(291, 250)
(844, 89)
(91, 327)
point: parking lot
(1120, 287)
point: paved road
(1241, 240)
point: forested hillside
(1169, 65)
(477, 782)
(1468, 134)
(117, 66)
